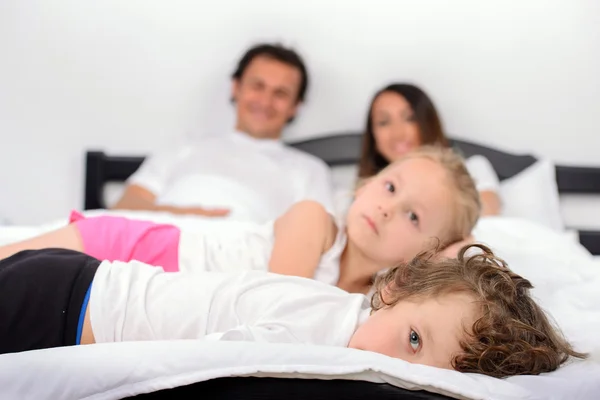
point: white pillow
(533, 195)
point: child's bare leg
(67, 237)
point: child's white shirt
(234, 246)
(134, 301)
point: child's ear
(387, 292)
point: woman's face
(394, 128)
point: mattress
(566, 279)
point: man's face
(266, 96)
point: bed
(566, 283)
(343, 149)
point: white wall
(132, 75)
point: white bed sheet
(566, 279)
(116, 370)
(14, 233)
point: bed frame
(252, 388)
(344, 149)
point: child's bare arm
(67, 237)
(451, 251)
(87, 334)
(302, 235)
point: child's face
(398, 213)
(421, 330)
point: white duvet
(567, 284)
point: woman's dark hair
(279, 53)
(425, 116)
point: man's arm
(138, 198)
(319, 186)
(151, 178)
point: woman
(401, 118)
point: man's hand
(205, 212)
(139, 198)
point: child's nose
(384, 211)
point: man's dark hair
(279, 53)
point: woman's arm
(487, 183)
(302, 235)
(490, 203)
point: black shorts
(41, 297)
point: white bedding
(567, 280)
(14, 233)
(117, 370)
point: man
(246, 174)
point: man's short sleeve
(156, 169)
(318, 185)
(483, 173)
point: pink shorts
(121, 239)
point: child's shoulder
(314, 215)
(311, 210)
(312, 206)
(319, 217)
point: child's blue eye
(414, 340)
(390, 187)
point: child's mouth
(371, 224)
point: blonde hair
(466, 202)
(512, 335)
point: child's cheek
(387, 342)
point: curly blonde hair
(512, 336)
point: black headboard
(344, 149)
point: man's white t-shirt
(257, 179)
(133, 301)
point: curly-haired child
(471, 313)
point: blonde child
(425, 197)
